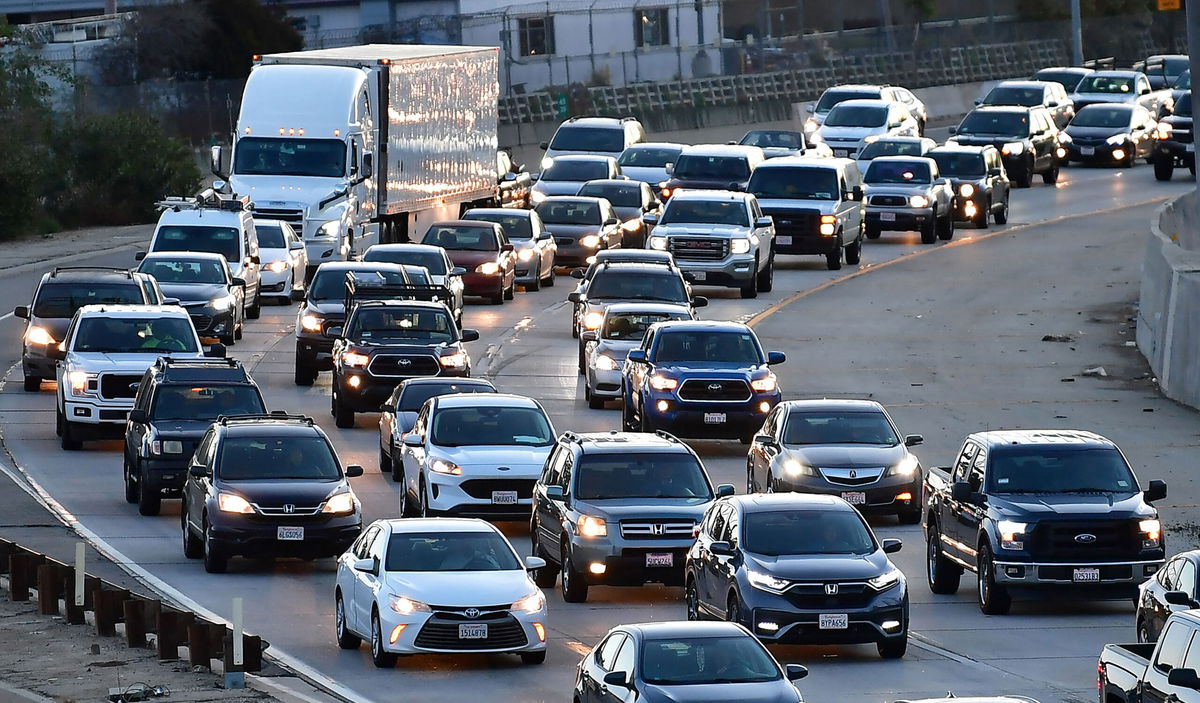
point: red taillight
(1100, 677)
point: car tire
(644, 422)
(733, 609)
(131, 491)
(574, 588)
(535, 283)
(1001, 215)
(149, 504)
(254, 312)
(943, 575)
(193, 547)
(1050, 177)
(912, 516)
(1164, 169)
(947, 230)
(994, 599)
(533, 658)
(872, 231)
(343, 417)
(750, 287)
(766, 277)
(408, 507)
(69, 438)
(833, 260)
(546, 576)
(345, 638)
(627, 423)
(305, 375)
(854, 252)
(1024, 177)
(929, 232)
(893, 647)
(691, 599)
(215, 561)
(379, 657)
(1143, 631)
(228, 339)
(580, 361)
(594, 401)
(33, 384)
(548, 281)
(981, 220)
(385, 459)
(511, 290)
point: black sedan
(1108, 134)
(205, 287)
(679, 662)
(1172, 589)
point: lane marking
(5, 316)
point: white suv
(853, 124)
(103, 357)
(602, 136)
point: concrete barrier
(1168, 324)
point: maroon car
(484, 251)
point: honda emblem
(831, 589)
(658, 529)
(289, 508)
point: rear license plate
(1191, 148)
(699, 276)
(855, 498)
(289, 534)
(714, 418)
(473, 631)
(783, 240)
(840, 621)
(1086, 576)
(1087, 150)
(654, 559)
(887, 217)
(504, 497)
(841, 153)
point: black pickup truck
(1041, 510)
(1154, 672)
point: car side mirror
(413, 440)
(978, 102)
(368, 164)
(1179, 598)
(725, 490)
(56, 351)
(137, 416)
(765, 440)
(333, 332)
(891, 546)
(669, 168)
(588, 336)
(1184, 678)
(776, 357)
(579, 274)
(387, 408)
(857, 193)
(616, 678)
(544, 146)
(296, 246)
(21, 311)
(612, 222)
(139, 256)
(721, 549)
(544, 236)
(198, 470)
(239, 282)
(1156, 491)
(731, 143)
(534, 563)
(913, 440)
(255, 259)
(507, 247)
(215, 351)
(795, 672)
(367, 566)
(952, 131)
(650, 219)
(354, 471)
(637, 356)
(170, 301)
(556, 493)
(995, 172)
(961, 491)
(699, 301)
(470, 335)
(575, 297)
(765, 221)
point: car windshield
(687, 661)
(839, 427)
(134, 335)
(999, 124)
(215, 240)
(569, 212)
(330, 284)
(384, 324)
(795, 183)
(1106, 84)
(786, 140)
(1060, 470)
(63, 299)
(434, 261)
(1067, 79)
(185, 271)
(1184, 82)
(799, 532)
(707, 346)
(258, 156)
(651, 475)
(571, 170)
(490, 426)
(414, 396)
(449, 551)
(1183, 106)
(959, 165)
(1174, 66)
(648, 156)
(637, 285)
(579, 138)
(857, 116)
(201, 402)
(1014, 95)
(706, 212)
(1102, 116)
(269, 236)
(619, 195)
(456, 238)
(632, 326)
(897, 172)
(277, 458)
(418, 275)
(731, 168)
(890, 147)
(515, 226)
(832, 97)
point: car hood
(822, 567)
(628, 213)
(283, 491)
(266, 256)
(100, 362)
(335, 307)
(848, 133)
(558, 187)
(1095, 132)
(704, 183)
(646, 174)
(1082, 99)
(616, 349)
(1070, 506)
(692, 228)
(189, 293)
(779, 206)
(461, 588)
(665, 508)
(494, 457)
(572, 230)
(712, 369)
(897, 189)
(780, 691)
(845, 455)
(470, 259)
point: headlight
(1012, 534)
(328, 230)
(966, 190)
(537, 196)
(221, 304)
(171, 446)
(340, 504)
(38, 335)
(918, 201)
(1164, 130)
(79, 381)
(1014, 148)
(234, 503)
(871, 139)
(525, 254)
(905, 467)
(793, 468)
(406, 606)
(591, 241)
(457, 360)
(442, 466)
(767, 582)
(885, 580)
(663, 383)
(590, 526)
(311, 323)
(592, 320)
(765, 384)
(1064, 138)
(739, 246)
(604, 362)
(1151, 533)
(810, 125)
(277, 266)
(354, 359)
(488, 268)
(547, 162)
(1115, 140)
(658, 243)
(532, 603)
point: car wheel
(1001, 215)
(893, 647)
(1050, 177)
(385, 459)
(498, 297)
(149, 502)
(343, 417)
(929, 231)
(379, 657)
(574, 588)
(691, 599)
(511, 290)
(256, 310)
(1163, 169)
(408, 507)
(533, 658)
(766, 277)
(947, 229)
(69, 438)
(33, 384)
(750, 288)
(854, 252)
(131, 491)
(1143, 631)
(627, 422)
(943, 575)
(549, 280)
(305, 375)
(215, 561)
(993, 598)
(193, 548)
(580, 360)
(733, 609)
(872, 231)
(833, 260)
(345, 638)
(912, 516)
(228, 339)
(546, 576)
(981, 220)
(594, 401)
(575, 325)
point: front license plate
(887, 217)
(699, 276)
(1087, 150)
(841, 153)
(855, 498)
(473, 631)
(783, 240)
(714, 418)
(1086, 576)
(289, 534)
(660, 559)
(840, 621)
(504, 497)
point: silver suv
(907, 193)
(603, 136)
(621, 329)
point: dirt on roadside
(48, 247)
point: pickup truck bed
(1121, 669)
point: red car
(484, 251)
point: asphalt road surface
(946, 335)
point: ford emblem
(471, 613)
(503, 468)
(1085, 538)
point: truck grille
(441, 632)
(119, 385)
(699, 249)
(715, 389)
(293, 217)
(657, 529)
(482, 488)
(813, 596)
(1055, 540)
(404, 365)
(889, 200)
(795, 222)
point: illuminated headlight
(406, 606)
(221, 304)
(234, 503)
(533, 603)
(740, 246)
(604, 362)
(328, 230)
(547, 162)
(885, 580)
(277, 266)
(766, 384)
(170, 446)
(488, 268)
(791, 467)
(457, 360)
(79, 382)
(1012, 534)
(663, 383)
(1151, 533)
(767, 582)
(918, 201)
(966, 190)
(592, 320)
(1118, 154)
(354, 359)
(905, 467)
(442, 466)
(1115, 140)
(537, 196)
(591, 526)
(1064, 138)
(658, 243)
(810, 125)
(340, 504)
(1014, 148)
(1164, 130)
(591, 241)
(311, 323)
(38, 335)
(525, 254)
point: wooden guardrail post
(134, 610)
(199, 644)
(108, 609)
(18, 581)
(49, 588)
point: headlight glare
(767, 582)
(457, 360)
(739, 246)
(340, 504)
(278, 266)
(1014, 148)
(327, 230)
(1115, 140)
(918, 201)
(354, 359)
(488, 268)
(311, 323)
(406, 606)
(79, 380)
(1151, 528)
(592, 320)
(794, 468)
(604, 362)
(663, 383)
(221, 304)
(658, 243)
(442, 466)
(532, 603)
(591, 241)
(966, 190)
(38, 335)
(525, 254)
(765, 384)
(885, 580)
(905, 467)
(1012, 534)
(591, 526)
(234, 503)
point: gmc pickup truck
(1167, 670)
(1041, 509)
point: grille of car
(404, 365)
(201, 322)
(852, 477)
(441, 632)
(482, 488)
(293, 217)
(729, 390)
(1088, 141)
(699, 249)
(564, 241)
(789, 222)
(281, 509)
(657, 529)
(1059, 540)
(119, 385)
(889, 200)
(816, 596)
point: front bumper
(604, 384)
(734, 270)
(474, 493)
(625, 561)
(1117, 579)
(804, 242)
(899, 219)
(969, 208)
(210, 323)
(888, 495)
(105, 416)
(1102, 153)
(257, 536)
(314, 349)
(697, 419)
(165, 475)
(795, 625)
(372, 391)
(34, 361)
(274, 282)
(437, 632)
(574, 255)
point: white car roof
(440, 524)
(490, 400)
(103, 310)
(202, 216)
(730, 195)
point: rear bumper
(314, 350)
(801, 242)
(1175, 151)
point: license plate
(660, 559)
(855, 498)
(699, 276)
(289, 534)
(1086, 576)
(1191, 148)
(473, 631)
(1087, 150)
(714, 418)
(783, 240)
(504, 497)
(841, 153)
(887, 217)
(840, 621)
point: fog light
(82, 412)
(354, 381)
(904, 496)
(396, 631)
(891, 625)
(1060, 152)
(597, 568)
(1014, 572)
(1150, 569)
(827, 230)
(768, 626)
(663, 406)
(764, 407)
(969, 209)
(1118, 154)
(541, 631)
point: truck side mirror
(368, 164)
(333, 332)
(1156, 491)
(588, 336)
(1179, 598)
(725, 490)
(699, 301)
(556, 493)
(776, 357)
(575, 297)
(952, 131)
(637, 356)
(765, 221)
(137, 416)
(650, 219)
(470, 335)
(721, 549)
(1184, 678)
(214, 161)
(961, 491)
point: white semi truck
(365, 144)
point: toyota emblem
(289, 508)
(831, 589)
(404, 362)
(471, 613)
(714, 386)
(1085, 538)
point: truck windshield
(706, 212)
(135, 335)
(381, 324)
(801, 532)
(215, 240)
(956, 165)
(432, 259)
(258, 156)
(63, 299)
(1061, 470)
(897, 172)
(795, 183)
(1014, 95)
(1105, 84)
(191, 402)
(839, 428)
(655, 475)
(630, 285)
(857, 116)
(1102, 116)
(713, 347)
(1001, 124)
(732, 168)
(1067, 79)
(276, 458)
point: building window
(650, 27)
(536, 35)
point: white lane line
(5, 316)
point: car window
(626, 658)
(975, 477)
(613, 476)
(412, 397)
(697, 661)
(1060, 470)
(570, 212)
(568, 464)
(1169, 574)
(204, 450)
(450, 551)
(553, 468)
(839, 427)
(63, 299)
(1187, 578)
(516, 226)
(716, 525)
(805, 532)
(606, 653)
(964, 462)
(490, 425)
(897, 172)
(362, 547)
(1172, 646)
(134, 335)
(1192, 659)
(638, 285)
(462, 238)
(200, 402)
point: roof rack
(206, 199)
(167, 361)
(110, 269)
(363, 286)
(666, 435)
(273, 416)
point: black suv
(1176, 143)
(617, 508)
(1027, 139)
(267, 486)
(981, 187)
(63, 291)
(177, 399)
(796, 568)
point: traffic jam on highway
(390, 259)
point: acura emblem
(289, 508)
(1085, 538)
(853, 473)
(831, 589)
(714, 386)
(471, 613)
